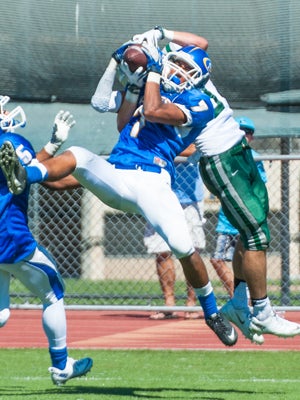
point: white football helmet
(10, 120)
(196, 71)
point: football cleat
(275, 325)
(73, 369)
(12, 168)
(241, 318)
(222, 328)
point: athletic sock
(262, 308)
(36, 173)
(59, 357)
(207, 300)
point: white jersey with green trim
(222, 132)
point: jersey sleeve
(197, 107)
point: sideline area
(130, 330)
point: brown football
(135, 57)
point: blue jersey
(188, 185)
(16, 240)
(152, 146)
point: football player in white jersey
(138, 174)
(229, 171)
(20, 254)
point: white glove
(63, 122)
(152, 36)
(155, 57)
(136, 78)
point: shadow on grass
(138, 393)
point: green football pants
(233, 177)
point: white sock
(262, 308)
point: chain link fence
(102, 257)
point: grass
(148, 374)
(113, 292)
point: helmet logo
(207, 63)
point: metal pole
(285, 226)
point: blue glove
(118, 54)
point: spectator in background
(227, 234)
(189, 189)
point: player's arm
(179, 37)
(63, 122)
(155, 108)
(187, 39)
(127, 109)
(133, 92)
(105, 99)
(122, 102)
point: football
(135, 57)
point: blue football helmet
(246, 124)
(10, 120)
(185, 69)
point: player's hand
(151, 37)
(155, 57)
(136, 78)
(118, 54)
(63, 122)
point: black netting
(58, 49)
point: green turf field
(143, 374)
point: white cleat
(241, 318)
(73, 369)
(275, 325)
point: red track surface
(129, 330)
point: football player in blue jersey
(230, 173)
(138, 174)
(22, 257)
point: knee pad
(4, 316)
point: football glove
(136, 78)
(151, 37)
(118, 54)
(155, 57)
(63, 122)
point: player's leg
(39, 274)
(18, 176)
(194, 216)
(163, 211)
(245, 204)
(4, 297)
